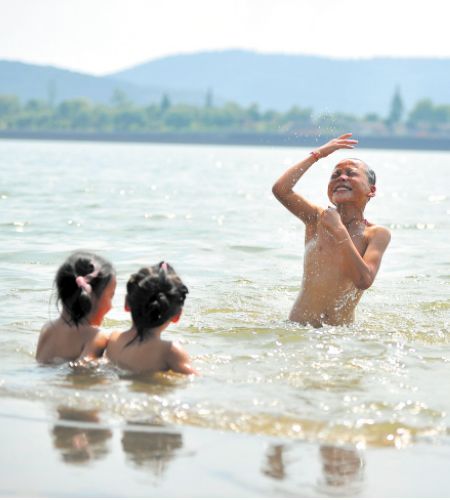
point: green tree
(74, 114)
(209, 99)
(51, 93)
(180, 117)
(421, 114)
(119, 99)
(295, 118)
(165, 103)
(396, 110)
(9, 109)
(9, 105)
(36, 106)
(130, 120)
(372, 117)
(442, 114)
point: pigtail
(81, 278)
(154, 295)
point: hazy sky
(101, 36)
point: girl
(155, 298)
(85, 285)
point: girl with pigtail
(155, 298)
(85, 286)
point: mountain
(281, 81)
(29, 81)
(272, 81)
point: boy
(342, 250)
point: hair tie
(83, 281)
(83, 284)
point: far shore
(233, 138)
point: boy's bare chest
(321, 245)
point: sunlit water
(209, 211)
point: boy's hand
(342, 142)
(332, 221)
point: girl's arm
(95, 347)
(179, 361)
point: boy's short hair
(371, 176)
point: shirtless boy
(342, 250)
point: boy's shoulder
(377, 237)
(376, 230)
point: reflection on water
(343, 470)
(151, 450)
(274, 466)
(153, 384)
(80, 444)
(341, 473)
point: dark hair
(371, 175)
(155, 295)
(76, 298)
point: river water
(209, 211)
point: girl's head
(85, 284)
(155, 295)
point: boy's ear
(373, 190)
(126, 305)
(176, 318)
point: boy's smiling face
(349, 183)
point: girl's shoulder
(49, 327)
(90, 333)
(116, 340)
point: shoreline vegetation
(425, 127)
(231, 139)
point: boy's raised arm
(283, 187)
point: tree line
(122, 115)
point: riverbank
(233, 138)
(67, 453)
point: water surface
(209, 211)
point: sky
(103, 36)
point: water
(209, 211)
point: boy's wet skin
(342, 250)
(327, 295)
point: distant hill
(276, 82)
(280, 81)
(29, 81)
